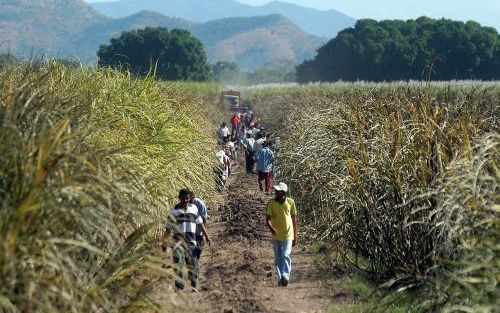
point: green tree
(400, 50)
(176, 54)
(278, 71)
(225, 70)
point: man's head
(191, 196)
(223, 124)
(220, 156)
(280, 191)
(184, 197)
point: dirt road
(237, 273)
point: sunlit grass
(90, 162)
(404, 177)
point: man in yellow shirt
(281, 219)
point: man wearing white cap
(281, 219)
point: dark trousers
(234, 131)
(218, 174)
(267, 178)
(198, 250)
(249, 162)
(185, 254)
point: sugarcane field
(394, 192)
(249, 156)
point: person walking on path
(248, 118)
(182, 221)
(222, 132)
(281, 219)
(249, 153)
(242, 136)
(230, 149)
(235, 123)
(223, 168)
(258, 145)
(202, 212)
(265, 166)
(254, 130)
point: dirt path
(237, 273)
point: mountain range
(319, 23)
(72, 28)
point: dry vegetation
(90, 161)
(403, 179)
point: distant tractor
(233, 100)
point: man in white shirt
(182, 222)
(222, 133)
(259, 144)
(249, 152)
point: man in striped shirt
(182, 221)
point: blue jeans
(282, 260)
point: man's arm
(205, 234)
(270, 225)
(168, 232)
(205, 224)
(294, 223)
(166, 236)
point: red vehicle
(233, 99)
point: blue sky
(486, 12)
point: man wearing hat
(281, 219)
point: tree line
(388, 50)
(424, 48)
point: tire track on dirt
(236, 269)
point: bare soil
(237, 273)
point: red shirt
(235, 121)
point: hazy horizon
(485, 12)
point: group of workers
(249, 136)
(188, 218)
